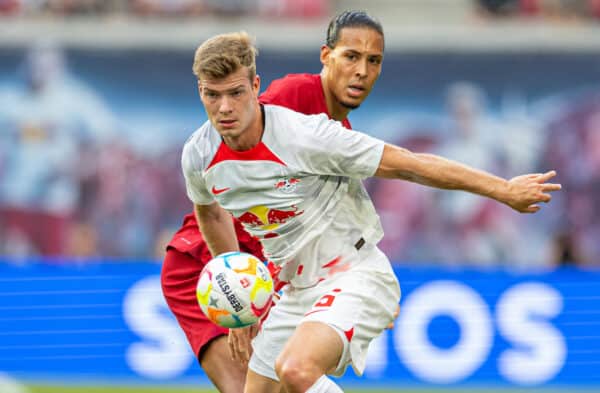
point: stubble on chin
(348, 105)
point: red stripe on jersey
(333, 262)
(349, 333)
(259, 152)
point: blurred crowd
(574, 147)
(546, 10)
(461, 229)
(166, 8)
(73, 184)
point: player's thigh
(315, 346)
(227, 375)
(358, 305)
(276, 330)
(256, 383)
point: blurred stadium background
(97, 98)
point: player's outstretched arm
(522, 193)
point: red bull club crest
(287, 185)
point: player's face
(231, 102)
(352, 66)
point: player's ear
(256, 84)
(325, 52)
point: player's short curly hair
(350, 18)
(224, 54)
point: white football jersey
(299, 188)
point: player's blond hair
(224, 54)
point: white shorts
(358, 303)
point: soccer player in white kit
(294, 182)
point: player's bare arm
(522, 193)
(217, 227)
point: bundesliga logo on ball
(235, 290)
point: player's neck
(337, 111)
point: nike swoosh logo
(219, 191)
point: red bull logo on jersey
(287, 185)
(268, 219)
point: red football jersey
(300, 92)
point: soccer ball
(235, 290)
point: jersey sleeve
(326, 147)
(192, 163)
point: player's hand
(396, 313)
(239, 341)
(526, 192)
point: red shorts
(187, 254)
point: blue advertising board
(108, 322)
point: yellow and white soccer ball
(235, 290)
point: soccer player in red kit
(351, 59)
